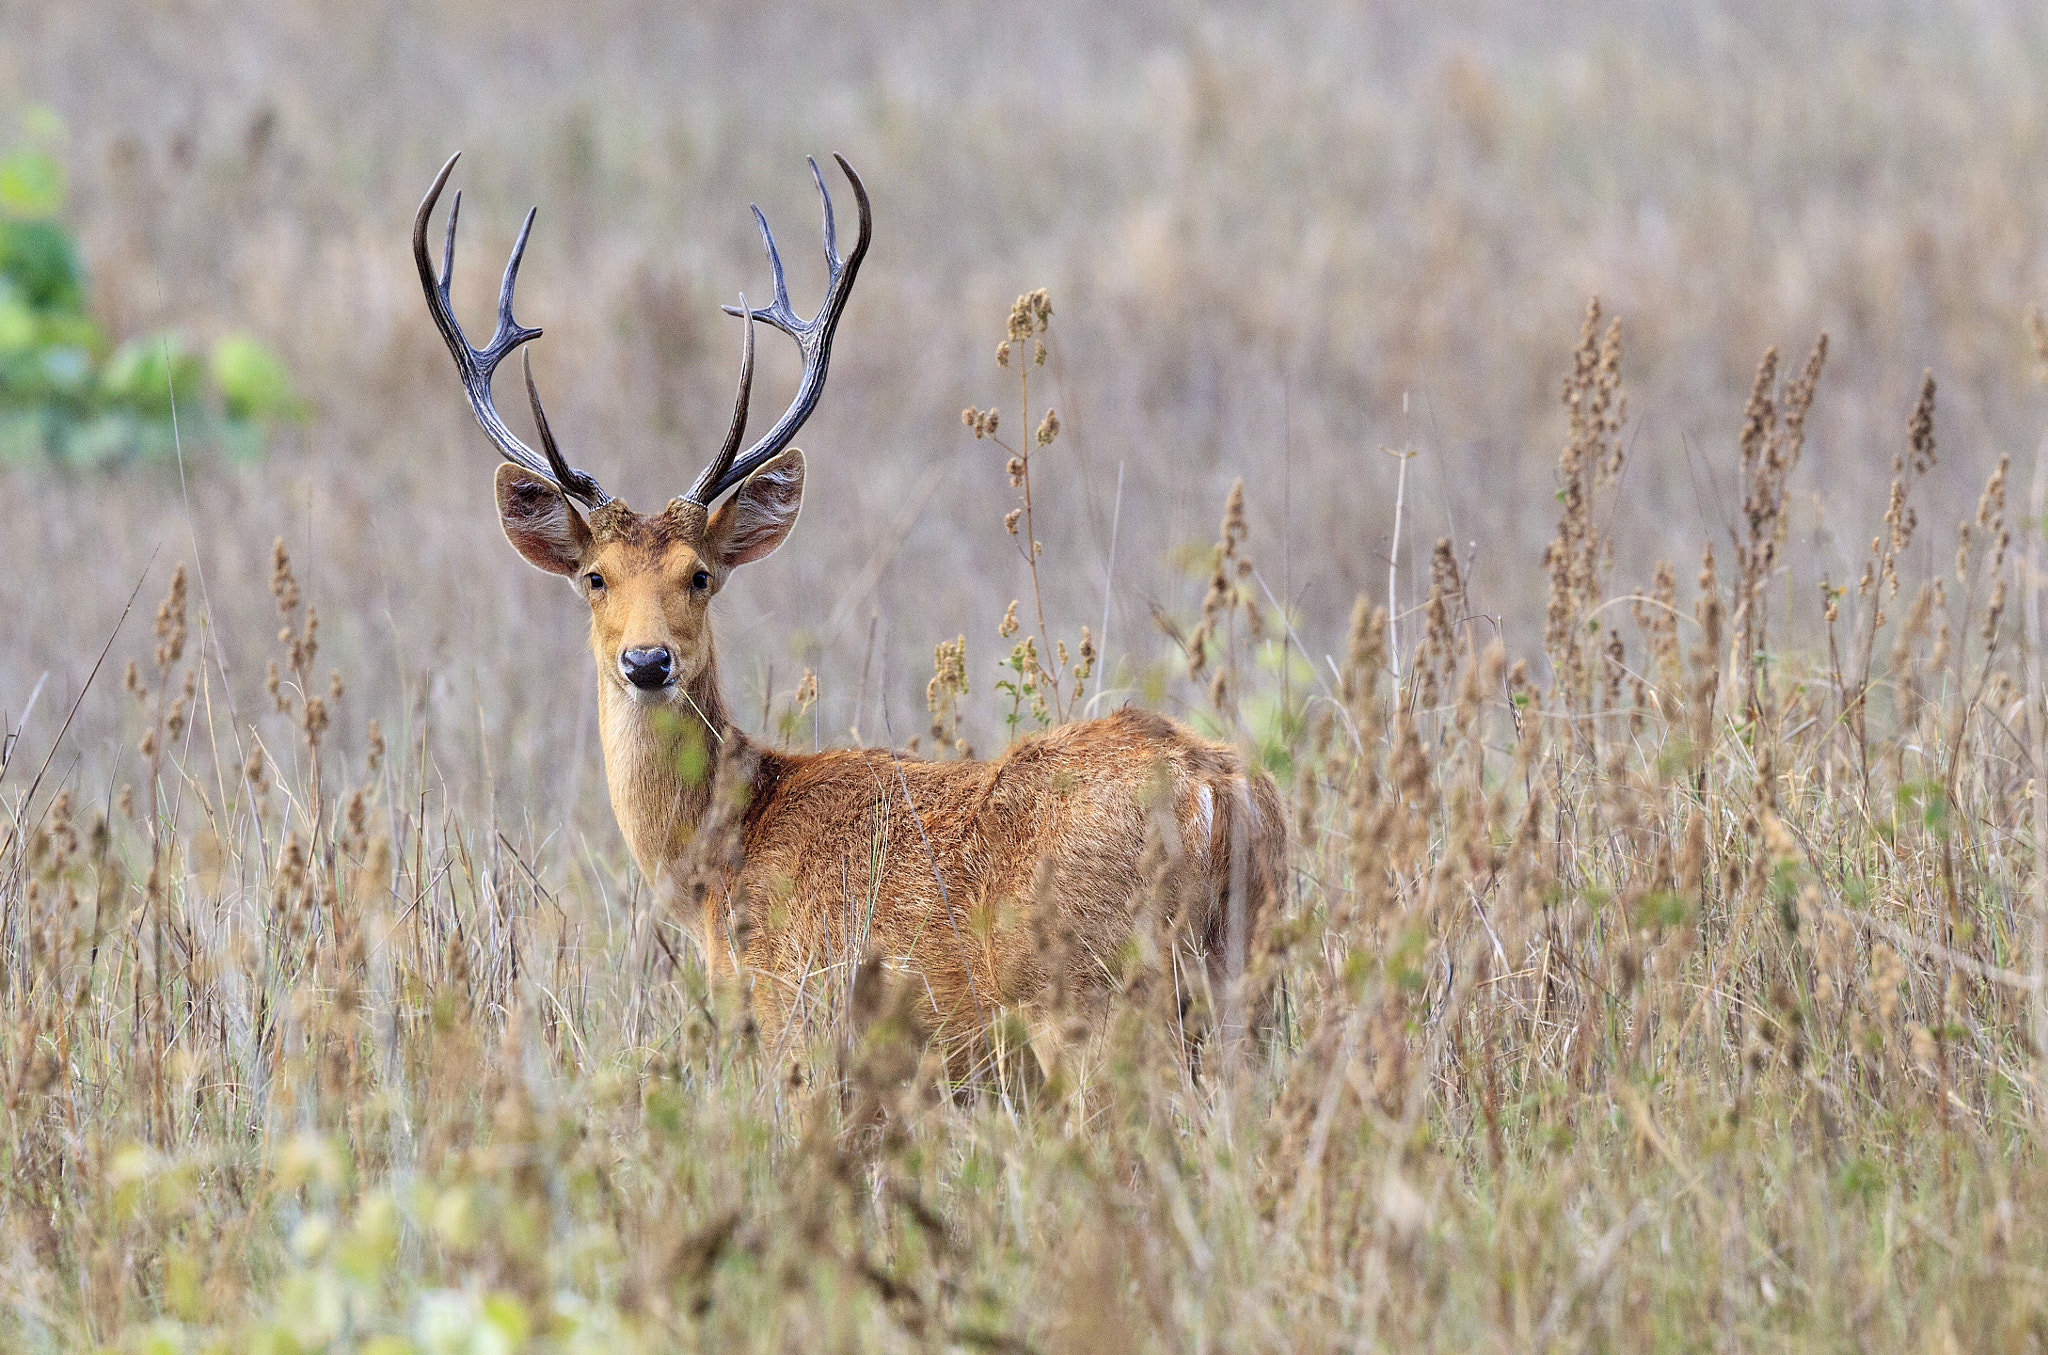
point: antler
(477, 364)
(813, 338)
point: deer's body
(966, 876)
(939, 867)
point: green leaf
(144, 373)
(41, 260)
(31, 183)
(103, 439)
(371, 1243)
(65, 329)
(508, 1315)
(162, 1337)
(1661, 909)
(17, 321)
(1860, 1177)
(253, 381)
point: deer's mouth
(645, 692)
(650, 696)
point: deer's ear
(760, 513)
(539, 522)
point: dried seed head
(1233, 518)
(949, 673)
(1920, 428)
(283, 586)
(1779, 840)
(1923, 1047)
(306, 646)
(1993, 610)
(174, 719)
(1048, 427)
(291, 872)
(170, 622)
(1364, 654)
(356, 813)
(313, 720)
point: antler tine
(813, 336)
(507, 326)
(571, 480)
(831, 235)
(476, 365)
(780, 301)
(701, 492)
(447, 240)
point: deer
(943, 871)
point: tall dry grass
(1663, 964)
(1692, 995)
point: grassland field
(1665, 957)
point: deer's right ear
(539, 522)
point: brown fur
(933, 866)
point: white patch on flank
(1208, 810)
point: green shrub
(67, 392)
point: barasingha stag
(945, 871)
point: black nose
(645, 668)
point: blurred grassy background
(1277, 238)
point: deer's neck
(658, 763)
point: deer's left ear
(760, 513)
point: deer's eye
(595, 581)
(701, 580)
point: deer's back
(959, 873)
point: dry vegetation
(1664, 962)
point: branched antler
(813, 338)
(476, 365)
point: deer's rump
(970, 877)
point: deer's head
(648, 577)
